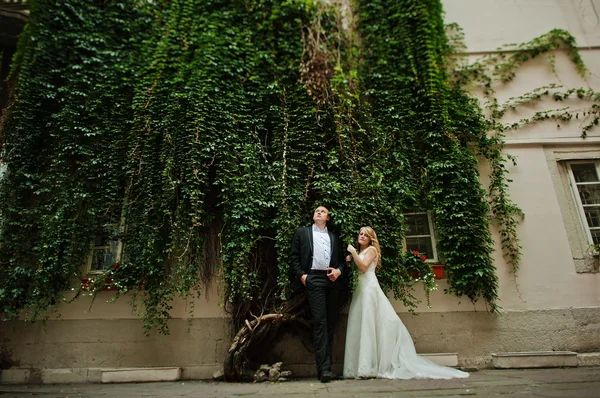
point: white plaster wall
(489, 24)
(547, 274)
(547, 277)
(537, 73)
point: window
(420, 236)
(106, 249)
(585, 181)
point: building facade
(553, 303)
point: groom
(318, 265)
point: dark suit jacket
(302, 255)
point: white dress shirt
(321, 248)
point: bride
(377, 342)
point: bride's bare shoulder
(371, 249)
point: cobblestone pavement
(568, 382)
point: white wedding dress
(377, 342)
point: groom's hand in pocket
(333, 273)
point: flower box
(438, 272)
(86, 284)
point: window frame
(435, 259)
(90, 260)
(577, 198)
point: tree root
(247, 341)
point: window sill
(86, 284)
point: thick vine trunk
(249, 339)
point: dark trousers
(323, 299)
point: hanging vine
(185, 122)
(63, 145)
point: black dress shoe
(326, 376)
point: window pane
(596, 237)
(104, 258)
(422, 245)
(418, 224)
(106, 243)
(584, 172)
(592, 215)
(589, 194)
(105, 234)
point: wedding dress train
(377, 342)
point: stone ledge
(200, 372)
(15, 376)
(442, 358)
(589, 359)
(204, 372)
(64, 376)
(133, 375)
(475, 363)
(538, 359)
(94, 375)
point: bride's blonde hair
(374, 242)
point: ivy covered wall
(185, 121)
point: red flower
(115, 265)
(416, 253)
(423, 258)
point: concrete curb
(139, 375)
(537, 359)
(204, 372)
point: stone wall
(76, 350)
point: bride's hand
(351, 249)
